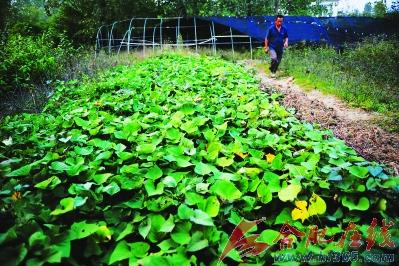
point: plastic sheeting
(225, 32)
(331, 30)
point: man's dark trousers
(276, 55)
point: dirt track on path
(356, 126)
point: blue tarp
(332, 30)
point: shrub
(31, 60)
(376, 58)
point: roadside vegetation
(365, 76)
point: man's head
(278, 20)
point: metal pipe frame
(145, 23)
(232, 41)
(129, 35)
(178, 31)
(153, 38)
(214, 37)
(111, 37)
(160, 33)
(141, 40)
(195, 32)
(122, 42)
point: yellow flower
(16, 195)
(242, 155)
(270, 157)
(300, 212)
(316, 206)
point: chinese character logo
(247, 246)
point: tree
(4, 11)
(27, 17)
(80, 19)
(276, 6)
(300, 7)
(395, 6)
(380, 9)
(368, 9)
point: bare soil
(357, 127)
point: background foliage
(32, 60)
(80, 19)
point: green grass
(365, 76)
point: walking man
(275, 42)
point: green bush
(31, 60)
(27, 19)
(375, 58)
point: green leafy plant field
(156, 163)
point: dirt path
(356, 126)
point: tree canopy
(80, 19)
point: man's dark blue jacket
(276, 38)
